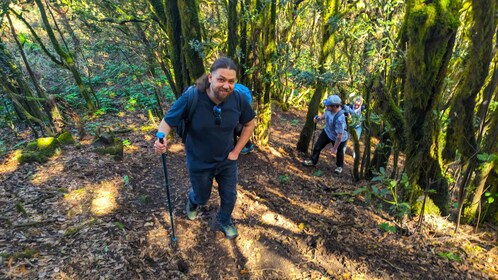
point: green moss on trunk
(430, 30)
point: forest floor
(83, 215)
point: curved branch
(37, 38)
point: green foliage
(318, 173)
(294, 122)
(283, 178)
(485, 157)
(142, 199)
(126, 180)
(119, 225)
(386, 227)
(490, 198)
(450, 256)
(126, 143)
(26, 253)
(386, 190)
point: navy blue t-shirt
(207, 143)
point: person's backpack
(184, 124)
(245, 91)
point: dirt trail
(90, 217)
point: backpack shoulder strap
(193, 98)
(336, 116)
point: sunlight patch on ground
(104, 199)
(99, 199)
(148, 138)
(45, 172)
(272, 151)
(10, 164)
(278, 220)
(131, 149)
(262, 261)
(175, 148)
(77, 201)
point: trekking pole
(161, 136)
(313, 137)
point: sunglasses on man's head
(217, 114)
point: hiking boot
(247, 150)
(308, 163)
(338, 170)
(191, 210)
(229, 230)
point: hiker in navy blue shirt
(246, 92)
(211, 152)
(335, 132)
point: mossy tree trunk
(52, 112)
(21, 95)
(431, 29)
(268, 19)
(192, 41)
(180, 21)
(477, 187)
(69, 62)
(232, 28)
(242, 42)
(461, 133)
(330, 10)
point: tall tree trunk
(431, 30)
(262, 130)
(460, 134)
(55, 121)
(232, 28)
(192, 41)
(180, 21)
(67, 58)
(489, 145)
(330, 10)
(23, 98)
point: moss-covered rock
(115, 149)
(429, 208)
(39, 150)
(66, 138)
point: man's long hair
(221, 63)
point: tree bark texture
(431, 29)
(67, 58)
(461, 133)
(267, 48)
(330, 10)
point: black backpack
(184, 124)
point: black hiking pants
(322, 141)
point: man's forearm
(164, 127)
(337, 141)
(245, 135)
